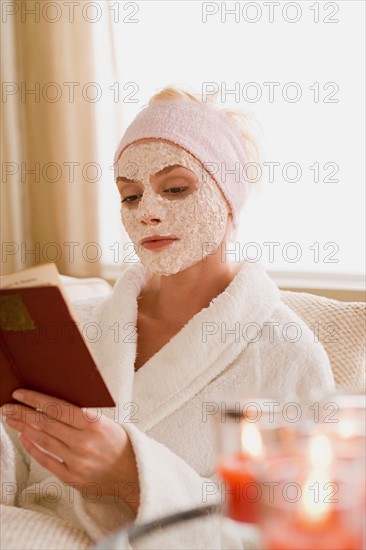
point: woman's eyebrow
(125, 180)
(168, 169)
(163, 171)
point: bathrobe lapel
(206, 346)
(115, 348)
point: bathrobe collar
(205, 347)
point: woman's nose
(150, 210)
(148, 219)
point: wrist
(127, 486)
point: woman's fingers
(58, 427)
(51, 463)
(72, 443)
(41, 438)
(73, 446)
(41, 446)
(52, 407)
(31, 417)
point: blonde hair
(245, 122)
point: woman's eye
(175, 190)
(131, 198)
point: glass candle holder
(250, 431)
(342, 425)
(343, 419)
(265, 451)
(307, 507)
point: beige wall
(335, 294)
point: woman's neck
(177, 298)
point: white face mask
(198, 220)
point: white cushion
(340, 327)
(78, 289)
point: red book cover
(42, 349)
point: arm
(113, 459)
(91, 454)
(167, 485)
(293, 360)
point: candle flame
(314, 508)
(321, 454)
(251, 441)
(347, 429)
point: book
(41, 345)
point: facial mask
(198, 220)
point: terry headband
(202, 130)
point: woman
(205, 327)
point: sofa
(339, 326)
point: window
(300, 70)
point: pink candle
(328, 512)
(242, 490)
(332, 534)
(241, 487)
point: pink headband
(204, 131)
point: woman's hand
(86, 448)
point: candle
(334, 533)
(328, 513)
(238, 471)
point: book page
(39, 275)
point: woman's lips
(158, 243)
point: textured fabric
(347, 354)
(204, 131)
(29, 530)
(163, 405)
(341, 328)
(80, 289)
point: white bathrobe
(246, 341)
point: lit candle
(315, 510)
(318, 519)
(242, 489)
